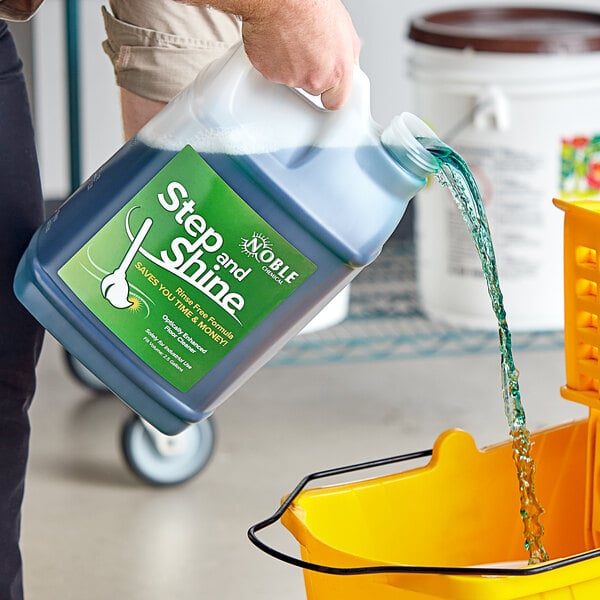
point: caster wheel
(83, 375)
(162, 460)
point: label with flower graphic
(580, 167)
(184, 271)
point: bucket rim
(510, 29)
(474, 571)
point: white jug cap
(401, 139)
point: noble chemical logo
(260, 248)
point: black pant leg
(21, 210)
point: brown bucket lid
(527, 30)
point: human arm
(308, 44)
(158, 46)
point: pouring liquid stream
(456, 175)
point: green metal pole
(72, 48)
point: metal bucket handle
(375, 569)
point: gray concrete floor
(92, 531)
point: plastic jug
(204, 244)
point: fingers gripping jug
(210, 239)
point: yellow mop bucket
(451, 529)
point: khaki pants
(158, 46)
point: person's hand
(308, 44)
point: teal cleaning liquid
(187, 260)
(456, 175)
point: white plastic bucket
(517, 93)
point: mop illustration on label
(115, 287)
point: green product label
(184, 271)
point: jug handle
(359, 101)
